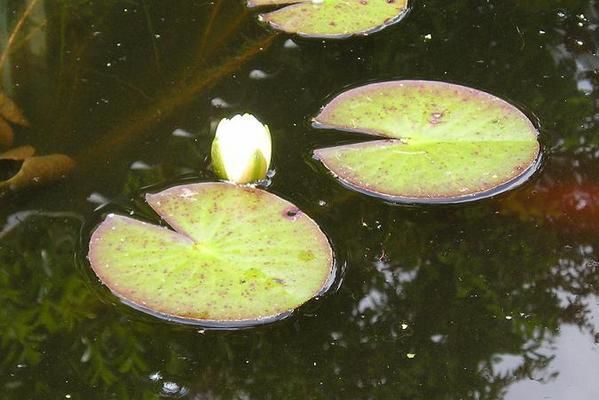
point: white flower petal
(239, 138)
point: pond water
(497, 299)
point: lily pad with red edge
(439, 142)
(332, 18)
(235, 256)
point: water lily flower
(241, 149)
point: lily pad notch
(437, 142)
(237, 256)
(335, 19)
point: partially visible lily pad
(441, 142)
(332, 18)
(21, 169)
(237, 256)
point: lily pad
(332, 18)
(237, 256)
(443, 142)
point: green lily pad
(443, 142)
(332, 18)
(237, 256)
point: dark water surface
(497, 299)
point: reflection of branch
(152, 34)
(206, 34)
(117, 80)
(16, 29)
(31, 32)
(225, 36)
(167, 103)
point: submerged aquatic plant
(21, 169)
(10, 113)
(241, 149)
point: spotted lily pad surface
(332, 18)
(237, 255)
(440, 142)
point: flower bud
(241, 149)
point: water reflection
(442, 309)
(489, 300)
